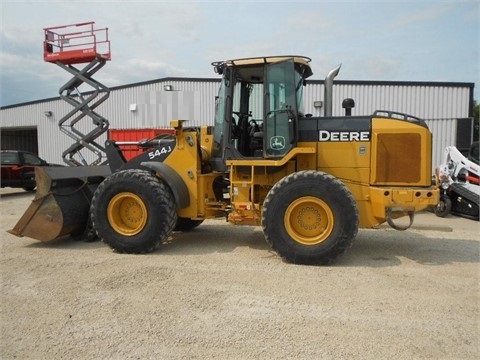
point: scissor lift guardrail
(76, 44)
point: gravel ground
(220, 293)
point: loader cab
(257, 107)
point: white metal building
(446, 107)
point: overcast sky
(374, 40)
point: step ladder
(66, 46)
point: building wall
(155, 107)
(148, 105)
(439, 104)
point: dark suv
(18, 168)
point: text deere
(325, 135)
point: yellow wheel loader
(310, 182)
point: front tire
(133, 211)
(444, 206)
(309, 217)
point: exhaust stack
(328, 98)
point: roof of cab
(298, 59)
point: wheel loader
(310, 182)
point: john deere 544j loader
(310, 182)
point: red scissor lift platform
(76, 44)
(66, 46)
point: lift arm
(75, 44)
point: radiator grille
(398, 158)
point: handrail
(68, 46)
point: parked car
(18, 168)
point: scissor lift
(77, 44)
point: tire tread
(344, 241)
(157, 190)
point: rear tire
(309, 217)
(133, 211)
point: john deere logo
(277, 142)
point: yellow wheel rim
(127, 213)
(309, 220)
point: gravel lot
(220, 293)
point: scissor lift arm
(66, 46)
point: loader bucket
(62, 201)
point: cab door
(280, 108)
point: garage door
(19, 139)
